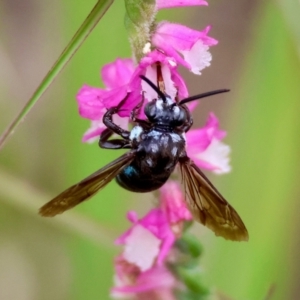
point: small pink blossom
(158, 239)
(173, 81)
(160, 4)
(118, 73)
(93, 102)
(93, 133)
(142, 254)
(205, 148)
(122, 81)
(89, 102)
(173, 203)
(193, 45)
(151, 284)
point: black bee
(157, 146)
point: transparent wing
(208, 206)
(86, 188)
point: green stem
(85, 29)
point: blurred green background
(71, 256)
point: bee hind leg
(114, 143)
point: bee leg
(108, 122)
(112, 144)
(136, 111)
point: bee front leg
(112, 144)
(135, 113)
(108, 122)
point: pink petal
(214, 158)
(199, 139)
(197, 57)
(180, 85)
(166, 246)
(206, 150)
(173, 80)
(181, 37)
(175, 38)
(141, 248)
(117, 73)
(157, 224)
(160, 4)
(173, 202)
(89, 102)
(132, 216)
(154, 279)
(113, 97)
(93, 133)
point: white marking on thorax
(175, 137)
(155, 134)
(135, 132)
(174, 151)
(154, 148)
(159, 102)
(149, 162)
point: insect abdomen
(133, 179)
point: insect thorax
(157, 153)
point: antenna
(203, 95)
(159, 92)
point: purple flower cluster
(141, 269)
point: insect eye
(179, 116)
(150, 110)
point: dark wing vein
(208, 206)
(87, 187)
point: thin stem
(85, 29)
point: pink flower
(140, 269)
(93, 102)
(156, 234)
(173, 203)
(155, 283)
(193, 45)
(122, 80)
(90, 105)
(172, 80)
(205, 148)
(160, 4)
